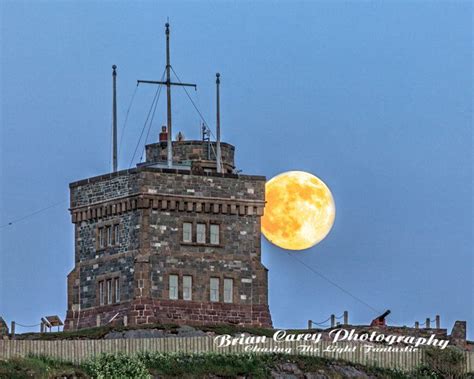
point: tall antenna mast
(218, 125)
(168, 95)
(168, 84)
(114, 118)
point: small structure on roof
(49, 322)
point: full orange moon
(299, 210)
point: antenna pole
(168, 95)
(218, 126)
(114, 118)
(168, 84)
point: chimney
(163, 135)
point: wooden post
(13, 329)
(427, 326)
(333, 321)
(97, 320)
(310, 324)
(125, 320)
(346, 318)
(417, 324)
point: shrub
(181, 364)
(447, 363)
(116, 366)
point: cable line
(189, 97)
(146, 121)
(334, 283)
(322, 322)
(144, 126)
(151, 120)
(196, 108)
(126, 117)
(27, 326)
(14, 221)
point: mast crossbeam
(166, 83)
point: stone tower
(176, 239)
(181, 245)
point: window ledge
(201, 244)
(104, 305)
(103, 249)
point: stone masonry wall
(241, 187)
(91, 273)
(182, 312)
(103, 188)
(151, 311)
(458, 334)
(96, 263)
(189, 150)
(237, 256)
(99, 316)
(87, 236)
(3, 327)
(150, 205)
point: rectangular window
(109, 235)
(116, 234)
(117, 290)
(173, 287)
(201, 233)
(214, 289)
(109, 291)
(101, 237)
(187, 287)
(228, 290)
(187, 232)
(214, 229)
(101, 292)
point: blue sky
(375, 98)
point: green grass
(200, 365)
(180, 365)
(39, 367)
(100, 332)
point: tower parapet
(195, 154)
